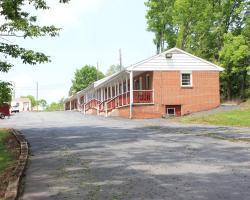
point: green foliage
(5, 155)
(42, 103)
(235, 58)
(206, 29)
(55, 106)
(19, 23)
(228, 118)
(84, 77)
(113, 69)
(5, 92)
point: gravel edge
(14, 184)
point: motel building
(172, 83)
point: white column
(78, 103)
(118, 92)
(115, 90)
(101, 94)
(126, 90)
(122, 92)
(70, 105)
(111, 91)
(131, 95)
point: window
(147, 81)
(186, 79)
(136, 84)
(171, 111)
(140, 83)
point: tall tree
(19, 23)
(84, 77)
(235, 58)
(215, 30)
(160, 21)
(5, 92)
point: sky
(92, 32)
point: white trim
(132, 67)
(191, 78)
(173, 109)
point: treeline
(216, 30)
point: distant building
(24, 104)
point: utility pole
(36, 96)
(120, 59)
(97, 69)
(13, 89)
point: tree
(235, 58)
(218, 31)
(113, 69)
(195, 26)
(55, 106)
(84, 77)
(42, 103)
(19, 23)
(5, 92)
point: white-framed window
(186, 79)
(171, 111)
(147, 81)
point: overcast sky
(93, 31)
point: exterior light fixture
(168, 55)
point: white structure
(24, 104)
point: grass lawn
(6, 157)
(240, 117)
(9, 152)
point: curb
(14, 184)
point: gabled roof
(181, 60)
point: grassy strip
(239, 118)
(6, 157)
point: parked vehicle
(2, 115)
(4, 110)
(15, 109)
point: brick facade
(203, 95)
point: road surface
(89, 157)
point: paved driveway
(89, 157)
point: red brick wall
(141, 112)
(203, 95)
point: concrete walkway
(89, 157)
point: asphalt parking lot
(88, 157)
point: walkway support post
(106, 109)
(131, 95)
